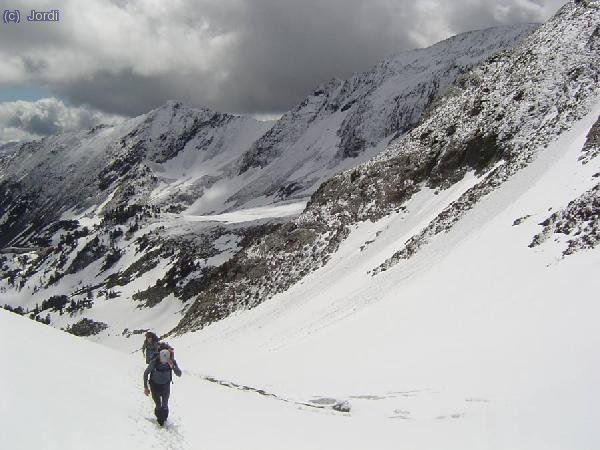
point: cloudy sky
(107, 59)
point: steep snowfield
(66, 392)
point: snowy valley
(405, 260)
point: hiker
(150, 347)
(160, 373)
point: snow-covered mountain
(483, 131)
(156, 160)
(442, 294)
(154, 209)
(346, 122)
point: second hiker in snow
(159, 374)
(150, 347)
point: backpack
(160, 346)
(164, 346)
(162, 368)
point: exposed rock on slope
(344, 123)
(492, 124)
(579, 222)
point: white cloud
(21, 120)
(146, 37)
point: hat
(164, 356)
(151, 335)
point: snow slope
(478, 341)
(65, 392)
(489, 126)
(477, 330)
(72, 394)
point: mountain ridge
(469, 134)
(141, 227)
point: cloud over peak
(22, 120)
(254, 56)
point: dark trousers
(160, 395)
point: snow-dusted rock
(491, 125)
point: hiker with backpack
(150, 347)
(159, 375)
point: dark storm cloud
(487, 14)
(123, 92)
(286, 48)
(256, 56)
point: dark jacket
(160, 373)
(150, 350)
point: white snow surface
(476, 342)
(252, 214)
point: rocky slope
(577, 225)
(346, 122)
(496, 120)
